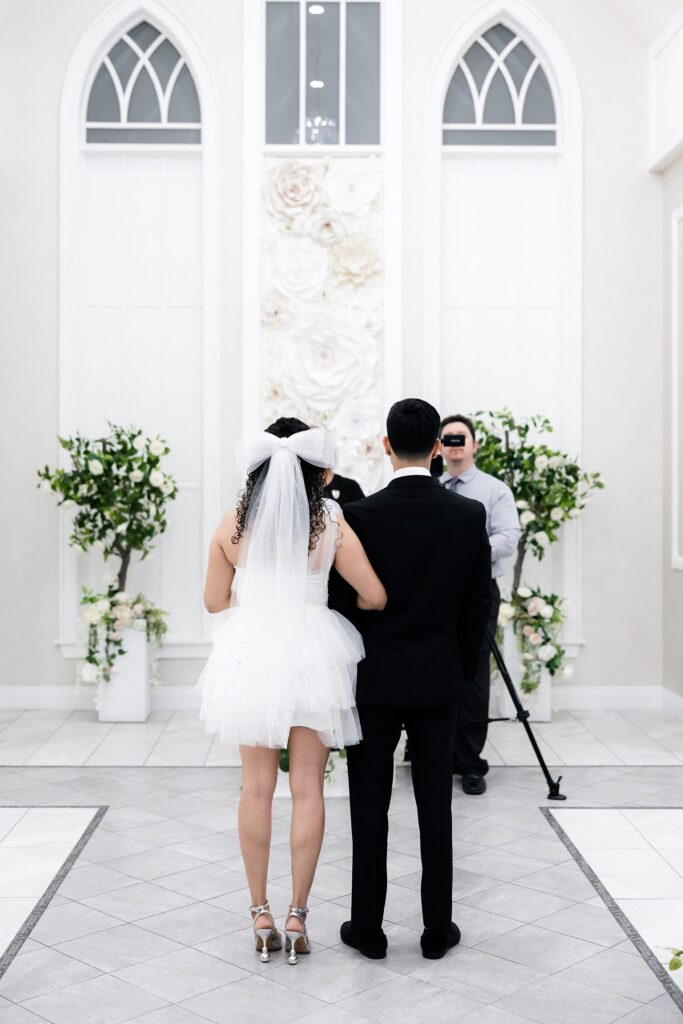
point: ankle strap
(299, 912)
(263, 909)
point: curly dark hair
(314, 481)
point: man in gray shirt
(458, 449)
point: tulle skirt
(247, 697)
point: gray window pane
(518, 62)
(498, 137)
(144, 135)
(282, 72)
(362, 73)
(498, 37)
(143, 105)
(479, 62)
(124, 61)
(163, 60)
(498, 108)
(103, 103)
(144, 35)
(459, 105)
(539, 107)
(322, 69)
(184, 105)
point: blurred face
(458, 459)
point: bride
(282, 672)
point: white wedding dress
(282, 658)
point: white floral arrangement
(322, 302)
(106, 617)
(537, 620)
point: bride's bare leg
(307, 759)
(254, 817)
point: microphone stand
(523, 717)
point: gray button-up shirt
(502, 518)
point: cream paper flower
(353, 186)
(275, 310)
(327, 227)
(356, 259)
(293, 189)
(328, 362)
(298, 268)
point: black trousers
(473, 706)
(430, 732)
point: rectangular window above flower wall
(322, 73)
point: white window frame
(676, 419)
(558, 66)
(83, 67)
(255, 153)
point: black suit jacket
(343, 489)
(431, 551)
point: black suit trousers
(430, 733)
(472, 723)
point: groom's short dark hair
(412, 428)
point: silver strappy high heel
(296, 942)
(267, 939)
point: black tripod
(523, 717)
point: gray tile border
(630, 931)
(44, 901)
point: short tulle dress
(272, 668)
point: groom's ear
(387, 446)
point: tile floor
(178, 738)
(151, 925)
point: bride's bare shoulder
(224, 533)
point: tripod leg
(523, 717)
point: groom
(430, 549)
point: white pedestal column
(127, 697)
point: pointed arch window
(499, 95)
(144, 93)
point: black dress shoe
(436, 944)
(473, 784)
(371, 944)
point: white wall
(622, 355)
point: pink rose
(535, 605)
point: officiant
(461, 476)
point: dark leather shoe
(473, 784)
(373, 945)
(436, 944)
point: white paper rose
(156, 447)
(527, 517)
(547, 652)
(298, 268)
(275, 311)
(353, 186)
(293, 189)
(523, 592)
(156, 478)
(326, 363)
(91, 615)
(327, 227)
(541, 462)
(139, 442)
(356, 259)
(89, 672)
(95, 467)
(557, 514)
(135, 476)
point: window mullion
(303, 56)
(342, 72)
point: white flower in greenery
(506, 613)
(547, 611)
(95, 467)
(541, 462)
(534, 606)
(89, 672)
(326, 362)
(547, 652)
(522, 504)
(557, 514)
(103, 605)
(98, 545)
(556, 461)
(542, 538)
(353, 188)
(139, 442)
(121, 597)
(528, 656)
(68, 503)
(574, 513)
(138, 608)
(135, 476)
(535, 639)
(524, 592)
(167, 487)
(91, 615)
(121, 528)
(526, 518)
(567, 671)
(152, 511)
(124, 616)
(46, 486)
(157, 447)
(156, 478)
(298, 268)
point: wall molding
(676, 424)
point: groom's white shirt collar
(410, 471)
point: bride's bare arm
(353, 565)
(220, 571)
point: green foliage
(676, 962)
(118, 489)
